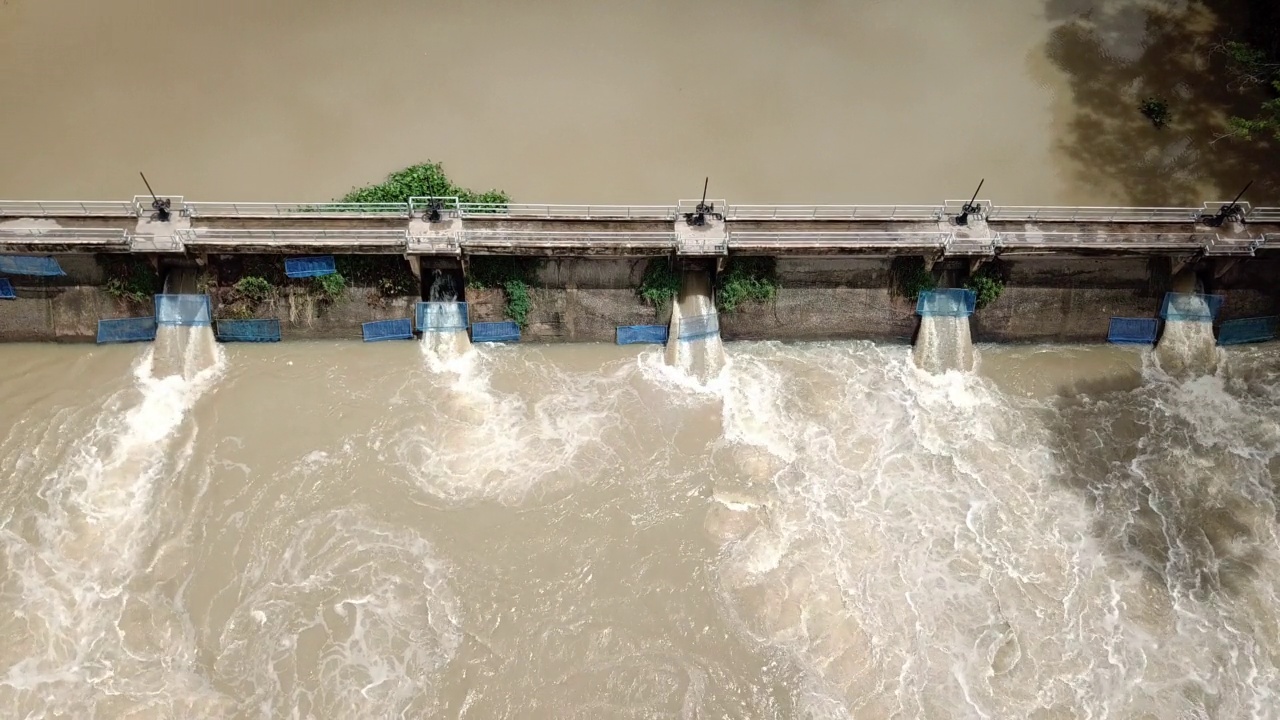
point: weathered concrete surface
(832, 298)
(303, 316)
(62, 313)
(1067, 300)
(577, 301)
(1251, 289)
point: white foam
(350, 617)
(91, 541)
(925, 551)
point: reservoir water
(733, 530)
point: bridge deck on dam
(445, 226)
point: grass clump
(746, 279)
(254, 289)
(660, 282)
(329, 288)
(513, 275)
(388, 275)
(131, 279)
(421, 180)
(986, 284)
(908, 277)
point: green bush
(908, 277)
(329, 287)
(422, 180)
(987, 284)
(518, 302)
(130, 278)
(513, 274)
(746, 279)
(1157, 111)
(254, 289)
(660, 282)
(389, 275)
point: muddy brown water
(338, 530)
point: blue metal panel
(186, 310)
(1248, 330)
(492, 332)
(1132, 331)
(949, 302)
(1190, 307)
(259, 330)
(441, 316)
(30, 265)
(642, 334)
(698, 326)
(401, 329)
(6, 290)
(305, 267)
(127, 330)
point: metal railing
(840, 239)
(719, 205)
(567, 212)
(87, 236)
(390, 238)
(951, 208)
(294, 210)
(449, 243)
(419, 205)
(566, 239)
(1245, 247)
(1092, 214)
(1264, 214)
(66, 208)
(142, 204)
(1144, 241)
(924, 213)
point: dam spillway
(1071, 269)
(445, 226)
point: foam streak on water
(73, 565)
(926, 546)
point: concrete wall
(577, 301)
(826, 299)
(304, 317)
(62, 313)
(584, 300)
(1067, 299)
(66, 308)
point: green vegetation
(388, 275)
(254, 289)
(1157, 111)
(329, 287)
(130, 278)
(908, 277)
(987, 284)
(1253, 60)
(422, 180)
(513, 274)
(746, 279)
(660, 282)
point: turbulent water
(823, 530)
(944, 343)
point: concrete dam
(1067, 270)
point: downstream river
(827, 530)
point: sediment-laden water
(824, 530)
